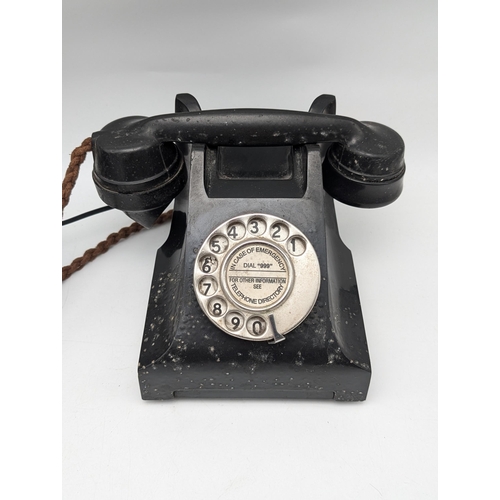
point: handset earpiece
(367, 173)
(137, 175)
(371, 179)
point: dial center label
(257, 275)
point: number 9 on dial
(234, 321)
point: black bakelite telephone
(254, 293)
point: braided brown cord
(77, 158)
(105, 245)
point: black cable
(86, 214)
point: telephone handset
(253, 257)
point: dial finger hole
(256, 226)
(218, 244)
(208, 263)
(296, 246)
(217, 307)
(279, 231)
(207, 286)
(234, 321)
(236, 231)
(256, 326)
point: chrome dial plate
(257, 277)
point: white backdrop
(123, 58)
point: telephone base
(184, 354)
